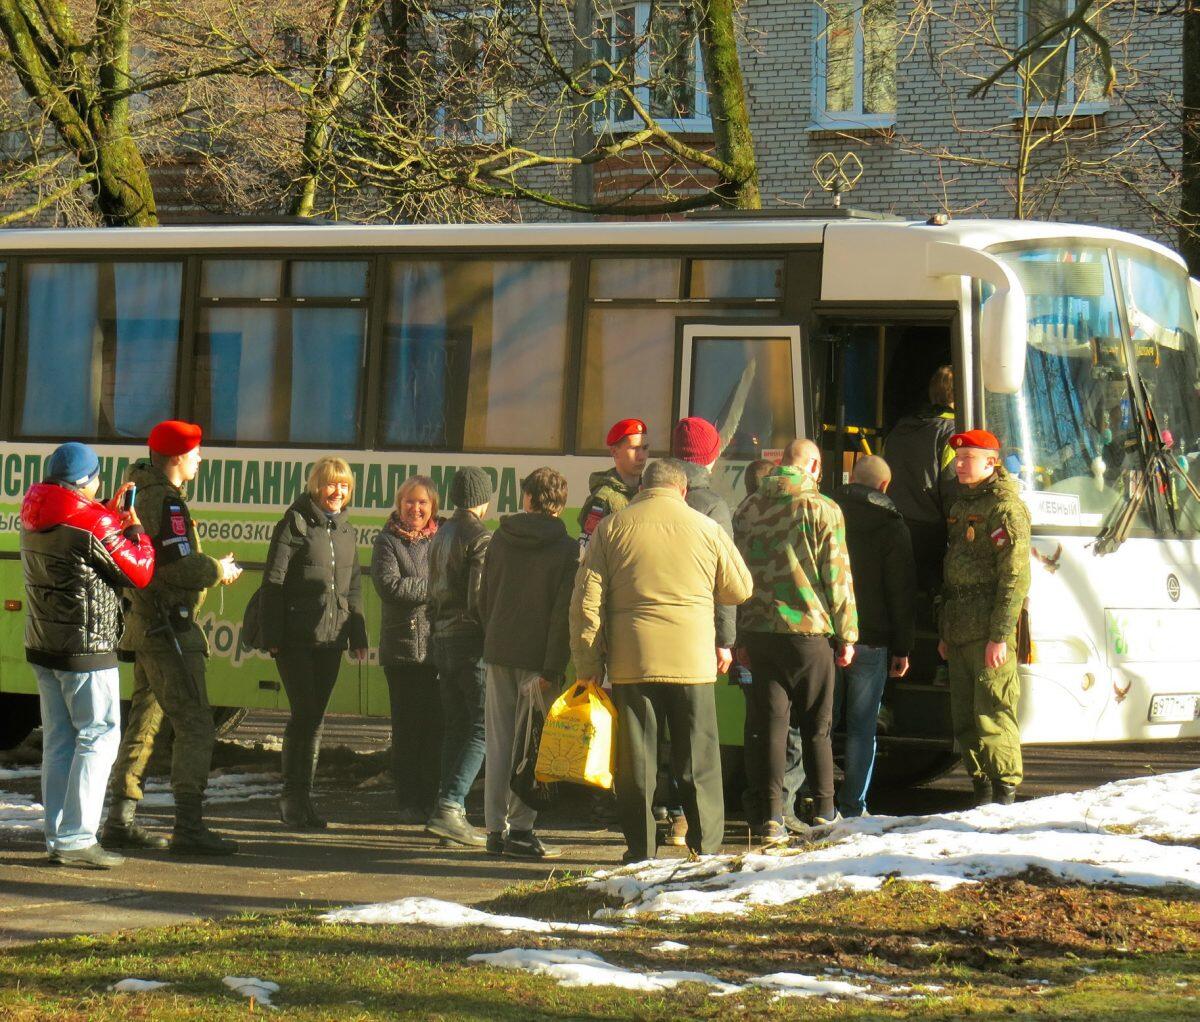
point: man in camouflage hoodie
(987, 580)
(793, 540)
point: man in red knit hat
(169, 650)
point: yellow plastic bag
(579, 738)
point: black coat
(312, 586)
(526, 594)
(881, 561)
(921, 489)
(455, 572)
(400, 574)
(703, 498)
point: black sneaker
(495, 842)
(450, 822)
(525, 844)
(91, 857)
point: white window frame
(479, 133)
(699, 123)
(825, 120)
(1066, 106)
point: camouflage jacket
(182, 572)
(609, 493)
(987, 562)
(793, 540)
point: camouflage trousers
(983, 708)
(161, 688)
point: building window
(855, 82)
(655, 47)
(1066, 75)
(470, 54)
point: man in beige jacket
(643, 608)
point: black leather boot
(192, 836)
(120, 831)
(291, 803)
(1004, 794)
(308, 770)
(983, 791)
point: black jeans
(792, 687)
(416, 704)
(308, 674)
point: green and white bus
(419, 349)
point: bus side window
(98, 347)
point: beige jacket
(644, 594)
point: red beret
(979, 438)
(624, 428)
(174, 437)
(695, 440)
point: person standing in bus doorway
(169, 649)
(642, 609)
(311, 612)
(77, 554)
(885, 592)
(400, 574)
(613, 489)
(794, 541)
(456, 559)
(523, 602)
(986, 583)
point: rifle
(164, 627)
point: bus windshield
(1070, 434)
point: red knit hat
(624, 428)
(695, 440)
(978, 438)
(174, 437)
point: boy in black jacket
(884, 571)
(523, 602)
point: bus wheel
(19, 714)
(227, 718)
(903, 766)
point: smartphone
(127, 499)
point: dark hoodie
(526, 594)
(922, 489)
(881, 561)
(703, 498)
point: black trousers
(691, 713)
(308, 674)
(792, 687)
(416, 734)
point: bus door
(746, 380)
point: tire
(905, 766)
(227, 718)
(19, 714)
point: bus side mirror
(1002, 323)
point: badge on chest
(972, 522)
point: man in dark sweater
(524, 600)
(881, 562)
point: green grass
(1106, 954)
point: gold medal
(970, 533)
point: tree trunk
(727, 103)
(1189, 199)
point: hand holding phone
(127, 498)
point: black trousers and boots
(308, 674)
(793, 686)
(416, 705)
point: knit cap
(695, 440)
(72, 463)
(470, 487)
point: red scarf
(395, 526)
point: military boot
(1004, 794)
(192, 836)
(983, 791)
(291, 802)
(120, 831)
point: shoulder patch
(1000, 538)
(594, 517)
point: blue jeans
(462, 680)
(861, 687)
(81, 731)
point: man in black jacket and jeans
(881, 562)
(456, 558)
(524, 603)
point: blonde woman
(311, 612)
(400, 574)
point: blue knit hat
(73, 463)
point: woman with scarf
(400, 572)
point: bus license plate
(1174, 709)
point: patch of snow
(449, 914)
(795, 984)
(222, 789)
(669, 945)
(585, 969)
(1062, 834)
(262, 990)
(19, 773)
(137, 986)
(20, 813)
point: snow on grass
(669, 945)
(137, 986)
(795, 984)
(585, 969)
(1064, 835)
(449, 914)
(261, 990)
(20, 813)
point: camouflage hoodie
(794, 542)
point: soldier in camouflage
(612, 490)
(793, 539)
(169, 650)
(986, 582)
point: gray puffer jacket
(400, 574)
